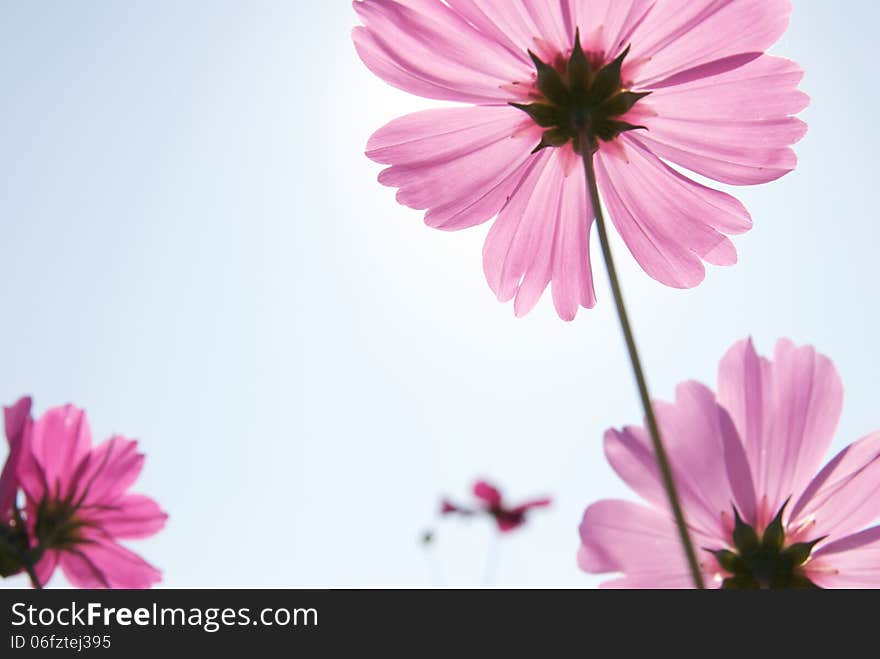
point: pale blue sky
(195, 249)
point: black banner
(412, 623)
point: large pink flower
(78, 505)
(746, 461)
(655, 82)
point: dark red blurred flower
(491, 503)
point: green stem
(651, 419)
(26, 555)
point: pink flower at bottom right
(747, 463)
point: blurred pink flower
(746, 461)
(717, 106)
(448, 508)
(78, 505)
(491, 503)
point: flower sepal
(764, 562)
(10, 552)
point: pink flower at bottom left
(77, 504)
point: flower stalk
(650, 419)
(27, 561)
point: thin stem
(491, 565)
(653, 428)
(25, 554)
(435, 567)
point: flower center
(508, 516)
(57, 526)
(580, 103)
(765, 562)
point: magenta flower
(746, 461)
(640, 82)
(491, 503)
(78, 505)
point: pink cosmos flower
(645, 82)
(491, 503)
(78, 505)
(747, 461)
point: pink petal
(659, 579)
(443, 134)
(548, 28)
(110, 470)
(546, 21)
(542, 235)
(59, 440)
(734, 152)
(572, 277)
(537, 503)
(667, 221)
(786, 412)
(17, 421)
(507, 524)
(678, 35)
(521, 25)
(734, 126)
(543, 217)
(448, 508)
(429, 49)
(619, 536)
(852, 562)
(507, 252)
(501, 21)
(106, 564)
(607, 26)
(706, 455)
(763, 88)
(461, 164)
(16, 417)
(845, 496)
(132, 516)
(488, 493)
